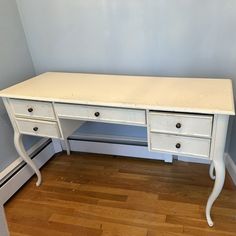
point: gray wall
(15, 65)
(144, 37)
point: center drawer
(103, 114)
(182, 124)
(38, 128)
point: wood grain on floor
(101, 195)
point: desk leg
(21, 151)
(218, 162)
(219, 183)
(67, 145)
(3, 223)
(211, 171)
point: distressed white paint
(218, 161)
(163, 122)
(118, 106)
(189, 146)
(39, 109)
(210, 96)
(105, 114)
(44, 128)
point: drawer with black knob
(182, 124)
(180, 145)
(38, 128)
(34, 109)
(102, 114)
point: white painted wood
(65, 130)
(140, 92)
(105, 114)
(124, 100)
(67, 145)
(41, 110)
(3, 223)
(231, 167)
(21, 151)
(18, 141)
(10, 113)
(211, 171)
(24, 174)
(44, 128)
(188, 145)
(17, 163)
(116, 149)
(221, 123)
(68, 127)
(191, 125)
(148, 131)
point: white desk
(183, 116)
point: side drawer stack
(35, 118)
(180, 134)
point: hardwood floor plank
(29, 230)
(94, 195)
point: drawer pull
(30, 109)
(35, 129)
(97, 114)
(178, 125)
(178, 145)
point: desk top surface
(212, 96)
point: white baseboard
(231, 167)
(3, 223)
(14, 183)
(116, 149)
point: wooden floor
(92, 195)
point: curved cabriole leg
(211, 171)
(21, 151)
(220, 126)
(219, 182)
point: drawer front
(180, 145)
(193, 125)
(103, 114)
(34, 109)
(38, 128)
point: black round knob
(178, 145)
(178, 125)
(30, 109)
(97, 114)
(35, 129)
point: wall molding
(231, 167)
